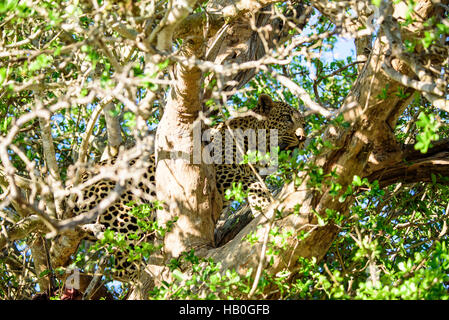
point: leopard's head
(288, 122)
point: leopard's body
(272, 115)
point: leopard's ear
(264, 104)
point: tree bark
(187, 189)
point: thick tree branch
(178, 11)
(186, 188)
(302, 94)
(414, 166)
(113, 128)
(55, 205)
(21, 182)
(22, 229)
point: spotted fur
(271, 115)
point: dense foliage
(53, 67)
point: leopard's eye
(289, 119)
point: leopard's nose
(300, 134)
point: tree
(360, 213)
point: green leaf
(321, 221)
(443, 28)
(178, 275)
(357, 181)
(428, 39)
(41, 61)
(376, 2)
(163, 64)
(8, 5)
(434, 178)
(428, 132)
(2, 75)
(44, 273)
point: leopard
(268, 115)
